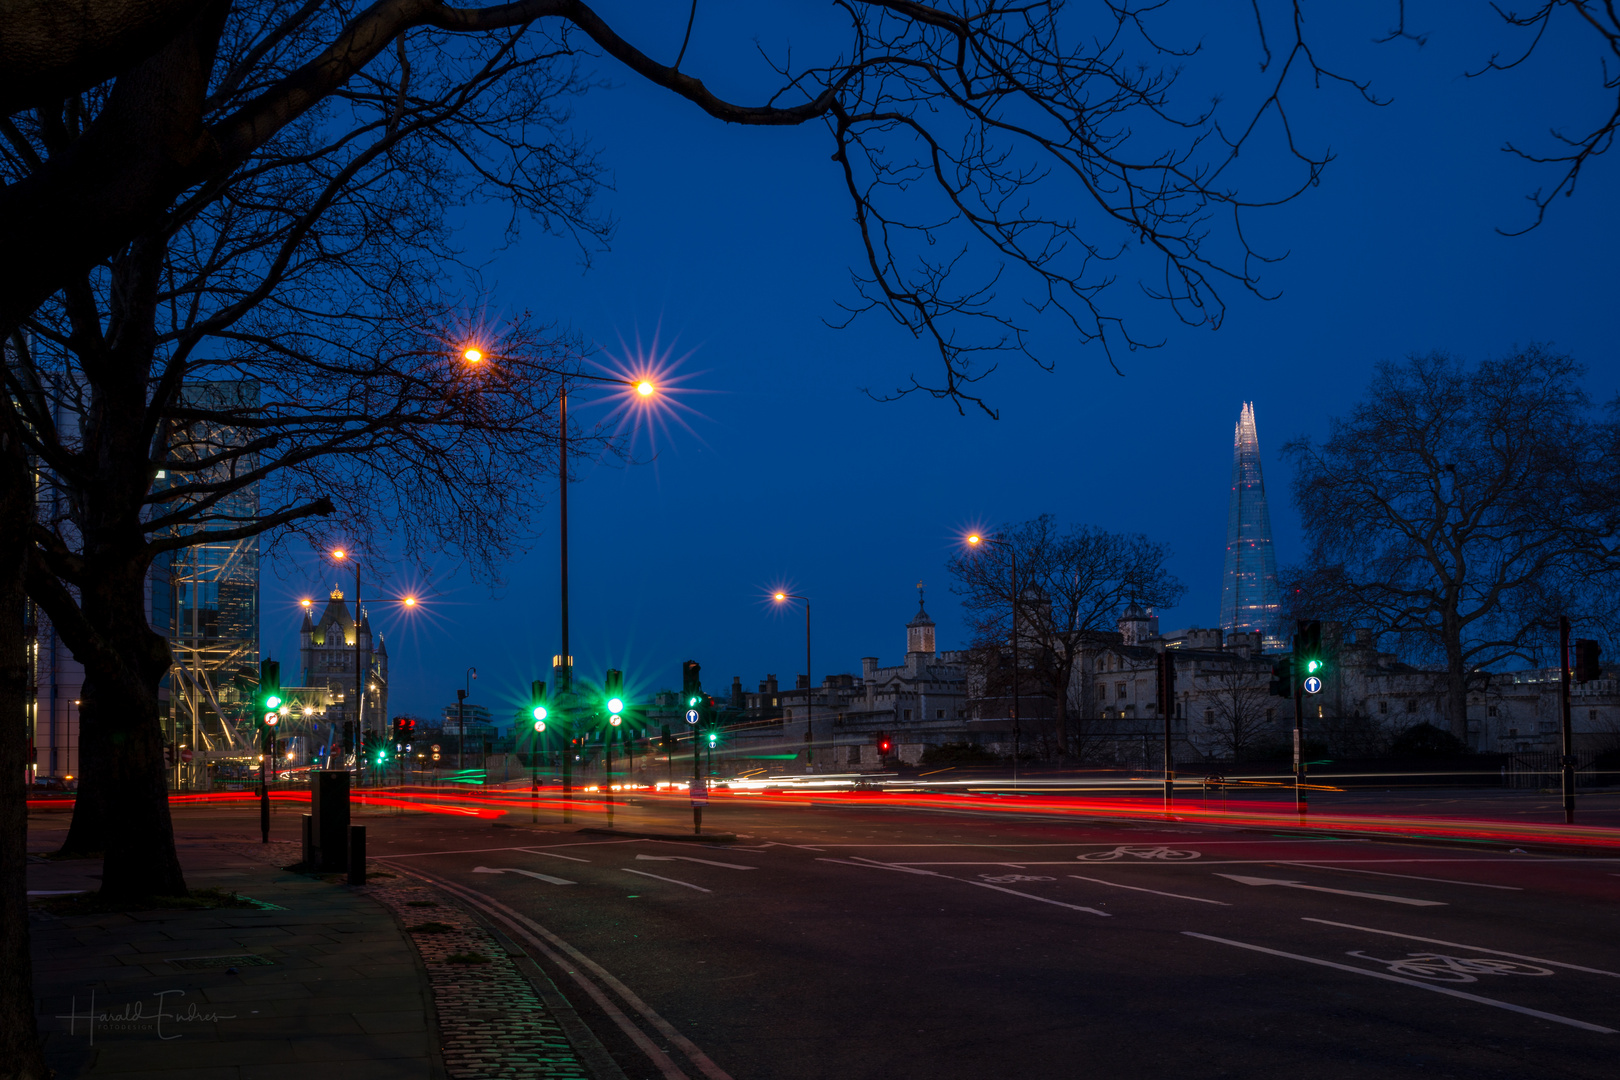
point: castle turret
(920, 630)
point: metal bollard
(357, 854)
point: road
(837, 938)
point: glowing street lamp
(976, 541)
(782, 597)
(473, 355)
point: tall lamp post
(339, 555)
(563, 669)
(974, 541)
(809, 685)
(461, 717)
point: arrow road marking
(1537, 1013)
(1338, 892)
(526, 873)
(672, 881)
(688, 858)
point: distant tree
(1445, 511)
(1237, 701)
(1071, 586)
(1426, 740)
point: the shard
(1249, 595)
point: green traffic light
(272, 702)
(1311, 666)
(540, 714)
(692, 701)
(615, 705)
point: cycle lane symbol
(1438, 967)
(1164, 854)
(1008, 879)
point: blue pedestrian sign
(692, 716)
(1313, 685)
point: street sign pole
(1299, 732)
(1567, 732)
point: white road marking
(1471, 948)
(1410, 877)
(1338, 892)
(1156, 892)
(1431, 987)
(688, 858)
(525, 873)
(981, 884)
(554, 855)
(660, 877)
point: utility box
(329, 819)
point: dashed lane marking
(1432, 988)
(526, 873)
(1388, 899)
(1470, 948)
(1409, 877)
(1156, 892)
(689, 858)
(875, 865)
(554, 855)
(672, 881)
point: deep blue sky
(732, 247)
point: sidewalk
(319, 980)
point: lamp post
(809, 685)
(339, 555)
(563, 670)
(461, 717)
(975, 540)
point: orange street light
(473, 354)
(645, 388)
(339, 553)
(975, 539)
(410, 601)
(306, 603)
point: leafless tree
(1071, 587)
(1236, 702)
(284, 348)
(969, 134)
(1444, 510)
(1571, 153)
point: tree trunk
(1456, 683)
(121, 706)
(21, 1056)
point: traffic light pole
(1167, 707)
(697, 784)
(268, 746)
(1299, 733)
(607, 777)
(565, 681)
(1568, 732)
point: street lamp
(974, 540)
(809, 686)
(642, 388)
(339, 555)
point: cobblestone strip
(492, 1023)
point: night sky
(732, 249)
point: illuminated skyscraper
(1249, 596)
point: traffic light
(613, 691)
(691, 685)
(1282, 678)
(269, 693)
(407, 728)
(537, 704)
(1586, 660)
(1308, 647)
(668, 740)
(885, 745)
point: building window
(1490, 710)
(905, 714)
(1591, 714)
(940, 715)
(1271, 715)
(1411, 706)
(1513, 732)
(1122, 692)
(1209, 716)
(1383, 706)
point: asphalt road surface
(835, 939)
